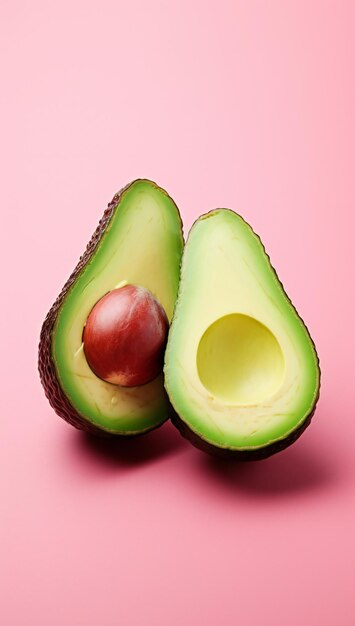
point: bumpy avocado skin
(257, 454)
(47, 371)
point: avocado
(138, 241)
(241, 369)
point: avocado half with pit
(138, 241)
(241, 369)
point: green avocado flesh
(142, 245)
(241, 370)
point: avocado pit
(125, 336)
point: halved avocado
(138, 240)
(241, 369)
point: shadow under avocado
(303, 467)
(132, 451)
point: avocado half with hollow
(138, 241)
(241, 369)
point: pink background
(248, 105)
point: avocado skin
(240, 455)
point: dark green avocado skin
(54, 393)
(240, 455)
